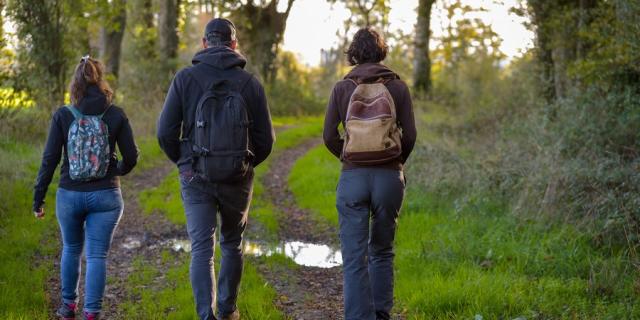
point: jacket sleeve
(50, 160)
(261, 133)
(330, 133)
(407, 122)
(128, 148)
(170, 121)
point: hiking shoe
(67, 311)
(232, 316)
(90, 316)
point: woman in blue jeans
(374, 106)
(88, 201)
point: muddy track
(303, 292)
(295, 223)
(137, 235)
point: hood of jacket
(94, 101)
(370, 72)
(220, 57)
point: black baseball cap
(220, 29)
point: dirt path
(303, 292)
(135, 236)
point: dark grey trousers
(368, 201)
(202, 201)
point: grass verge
(27, 245)
(463, 262)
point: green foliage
(614, 38)
(466, 63)
(292, 92)
(367, 13)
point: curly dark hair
(88, 72)
(367, 46)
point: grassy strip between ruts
(478, 262)
(166, 196)
(169, 296)
(256, 297)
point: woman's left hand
(39, 214)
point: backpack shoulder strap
(75, 112)
(105, 111)
(354, 82)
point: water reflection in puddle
(131, 243)
(178, 245)
(305, 254)
(302, 253)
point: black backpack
(221, 132)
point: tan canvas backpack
(372, 131)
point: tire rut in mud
(303, 292)
(138, 235)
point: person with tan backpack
(374, 106)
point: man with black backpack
(215, 125)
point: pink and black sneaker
(67, 311)
(90, 316)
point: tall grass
(463, 259)
(28, 245)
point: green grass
(166, 196)
(28, 244)
(170, 297)
(262, 209)
(256, 297)
(456, 262)
(313, 181)
(150, 153)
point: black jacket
(179, 109)
(120, 132)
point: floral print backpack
(88, 146)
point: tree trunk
(112, 33)
(541, 14)
(168, 32)
(585, 16)
(422, 62)
(260, 32)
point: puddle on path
(302, 253)
(131, 243)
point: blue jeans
(86, 218)
(202, 202)
(368, 202)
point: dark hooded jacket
(339, 101)
(93, 103)
(187, 88)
